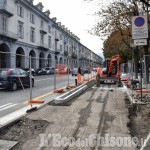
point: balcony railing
(66, 53)
(74, 55)
(57, 51)
(43, 31)
(8, 34)
(6, 10)
(43, 46)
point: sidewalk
(98, 112)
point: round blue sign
(139, 21)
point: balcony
(74, 55)
(56, 38)
(9, 35)
(57, 51)
(5, 9)
(43, 46)
(43, 31)
(66, 53)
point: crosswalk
(7, 106)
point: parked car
(50, 70)
(28, 71)
(65, 71)
(12, 79)
(41, 71)
(86, 70)
(74, 72)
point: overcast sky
(77, 16)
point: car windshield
(3, 72)
(47, 68)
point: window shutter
(18, 30)
(23, 32)
(22, 12)
(18, 9)
(30, 35)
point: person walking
(98, 71)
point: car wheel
(14, 86)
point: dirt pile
(139, 124)
(23, 130)
(145, 98)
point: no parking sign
(139, 27)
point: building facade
(26, 30)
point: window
(60, 47)
(60, 36)
(49, 41)
(32, 35)
(49, 29)
(4, 23)
(42, 24)
(32, 18)
(20, 11)
(42, 39)
(20, 30)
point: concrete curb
(70, 95)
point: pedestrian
(98, 71)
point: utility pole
(146, 8)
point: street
(43, 84)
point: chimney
(59, 24)
(31, 1)
(54, 19)
(40, 6)
(47, 13)
(63, 27)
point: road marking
(9, 105)
(5, 105)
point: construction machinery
(112, 70)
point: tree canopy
(114, 26)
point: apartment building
(26, 30)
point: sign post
(139, 27)
(140, 35)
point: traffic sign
(140, 42)
(139, 27)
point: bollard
(76, 82)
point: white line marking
(9, 106)
(2, 106)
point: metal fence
(142, 76)
(48, 75)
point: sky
(77, 16)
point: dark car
(12, 79)
(28, 71)
(50, 70)
(41, 71)
(86, 70)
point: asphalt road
(43, 85)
